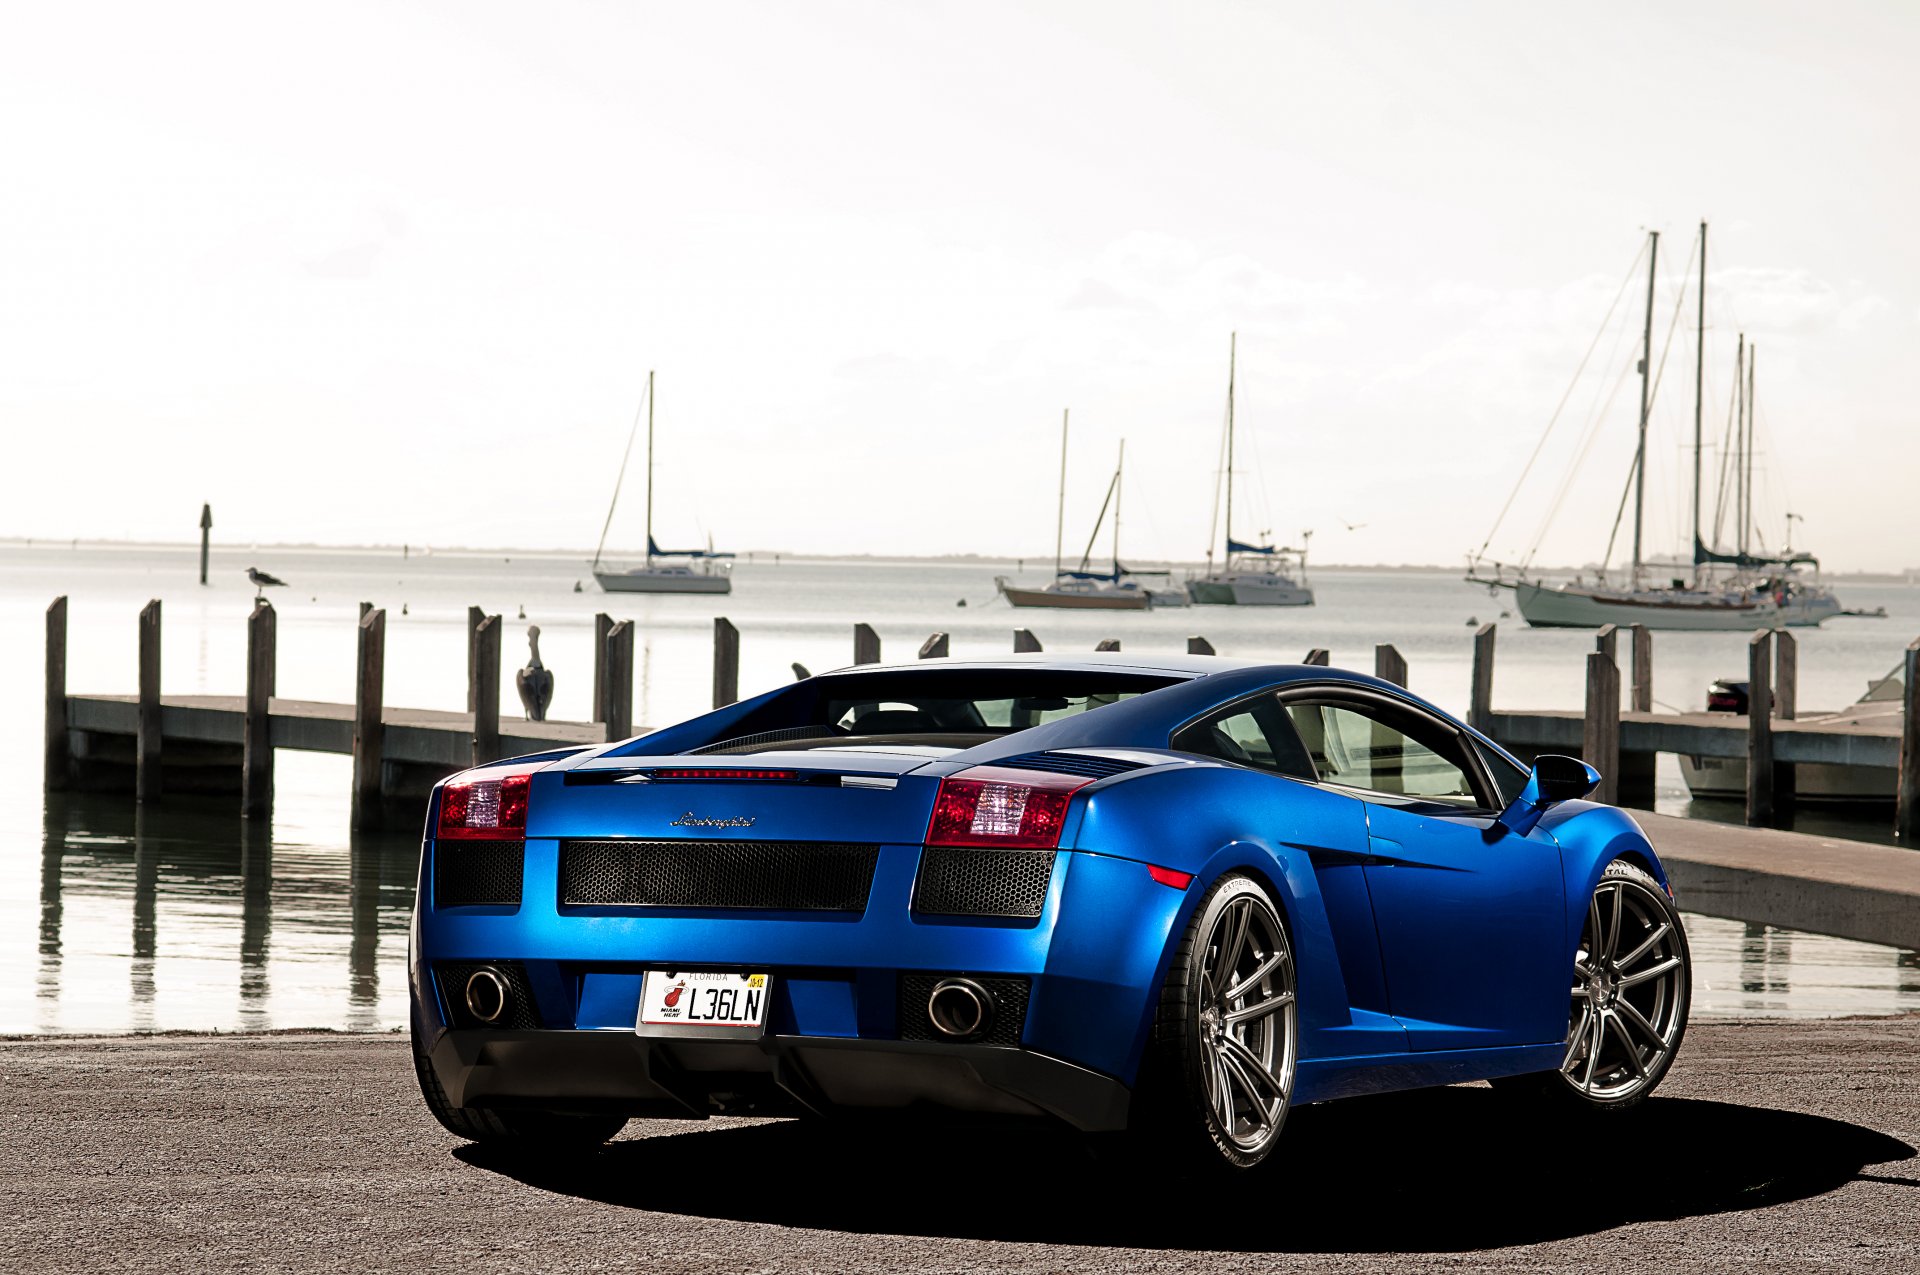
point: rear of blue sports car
(815, 904)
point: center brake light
(1003, 807)
(485, 805)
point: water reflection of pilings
(146, 884)
(1765, 956)
(53, 853)
(256, 921)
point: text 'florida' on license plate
(692, 998)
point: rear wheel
(1220, 1077)
(530, 1130)
(1632, 982)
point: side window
(1254, 734)
(1361, 750)
(1508, 777)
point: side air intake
(1086, 765)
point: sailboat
(1761, 590)
(1083, 588)
(665, 570)
(1251, 575)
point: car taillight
(726, 773)
(1001, 806)
(489, 809)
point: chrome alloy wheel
(1631, 979)
(1246, 1020)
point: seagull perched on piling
(535, 681)
(262, 581)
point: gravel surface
(1781, 1146)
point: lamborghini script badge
(691, 820)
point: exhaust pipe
(487, 994)
(960, 1009)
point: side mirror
(1554, 780)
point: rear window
(954, 708)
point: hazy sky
(396, 272)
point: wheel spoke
(1638, 1021)
(1576, 1038)
(1594, 930)
(1242, 921)
(1235, 1050)
(1266, 967)
(1646, 945)
(1245, 1076)
(1260, 1009)
(1613, 939)
(1626, 1043)
(1593, 1049)
(1652, 971)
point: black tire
(1623, 991)
(525, 1129)
(1178, 1116)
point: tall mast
(1233, 347)
(1119, 468)
(1746, 522)
(1699, 389)
(1060, 518)
(1646, 386)
(649, 468)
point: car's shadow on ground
(1445, 1169)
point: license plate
(689, 998)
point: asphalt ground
(1773, 1146)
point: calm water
(181, 916)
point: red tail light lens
(724, 773)
(489, 809)
(1001, 806)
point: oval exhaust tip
(960, 1009)
(487, 995)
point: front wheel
(1632, 982)
(1226, 1033)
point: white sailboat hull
(1075, 600)
(643, 580)
(1249, 590)
(1571, 607)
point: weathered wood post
(146, 743)
(206, 532)
(1642, 669)
(602, 625)
(369, 732)
(1760, 729)
(1480, 696)
(366, 609)
(1389, 665)
(1600, 741)
(726, 662)
(934, 648)
(476, 616)
(1786, 705)
(1318, 655)
(618, 706)
(1607, 640)
(59, 764)
(1024, 642)
(1197, 645)
(256, 732)
(1906, 809)
(1107, 644)
(866, 644)
(486, 691)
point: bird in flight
(262, 581)
(1350, 526)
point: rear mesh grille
(1082, 764)
(473, 873)
(803, 876)
(1009, 1010)
(956, 882)
(518, 1015)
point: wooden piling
(1480, 697)
(934, 648)
(1607, 640)
(146, 746)
(602, 625)
(476, 616)
(1760, 811)
(1107, 644)
(59, 755)
(256, 732)
(726, 662)
(1197, 645)
(369, 732)
(866, 644)
(1600, 741)
(618, 707)
(1642, 693)
(1389, 665)
(1786, 706)
(485, 689)
(1906, 810)
(206, 535)
(1025, 643)
(366, 609)
(1319, 655)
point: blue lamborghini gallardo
(1173, 896)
